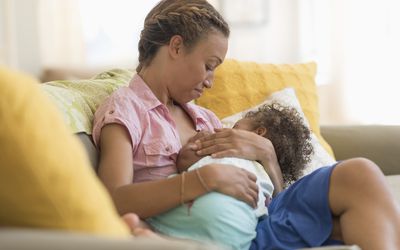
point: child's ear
(261, 131)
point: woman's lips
(200, 91)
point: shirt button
(167, 148)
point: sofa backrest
(90, 149)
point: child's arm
(274, 172)
(187, 156)
(271, 166)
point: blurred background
(354, 42)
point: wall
(4, 57)
(19, 35)
(275, 41)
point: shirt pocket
(159, 153)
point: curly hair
(290, 137)
(191, 19)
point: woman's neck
(157, 84)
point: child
(221, 218)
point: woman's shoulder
(123, 97)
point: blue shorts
(298, 216)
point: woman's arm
(243, 144)
(154, 197)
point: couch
(378, 143)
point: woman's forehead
(215, 45)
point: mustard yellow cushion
(241, 85)
(45, 177)
(10, 75)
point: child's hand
(187, 156)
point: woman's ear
(261, 131)
(175, 46)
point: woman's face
(194, 71)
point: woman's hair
(191, 19)
(290, 137)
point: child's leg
(368, 214)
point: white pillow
(287, 97)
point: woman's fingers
(218, 151)
(251, 197)
(223, 133)
(199, 135)
(222, 144)
(253, 188)
(251, 176)
(231, 142)
(206, 142)
(250, 200)
(238, 183)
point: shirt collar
(150, 101)
(195, 113)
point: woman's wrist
(208, 174)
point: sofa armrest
(378, 143)
(35, 239)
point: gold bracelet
(182, 187)
(203, 183)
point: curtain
(355, 43)
(60, 32)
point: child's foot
(137, 226)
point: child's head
(285, 128)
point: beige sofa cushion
(394, 184)
(378, 143)
(31, 239)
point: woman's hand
(199, 135)
(242, 144)
(233, 181)
(235, 143)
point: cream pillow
(78, 99)
(288, 97)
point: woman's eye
(208, 68)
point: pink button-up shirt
(154, 136)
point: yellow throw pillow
(287, 97)
(241, 85)
(45, 177)
(10, 75)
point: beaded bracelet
(203, 183)
(182, 187)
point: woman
(140, 129)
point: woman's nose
(208, 81)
